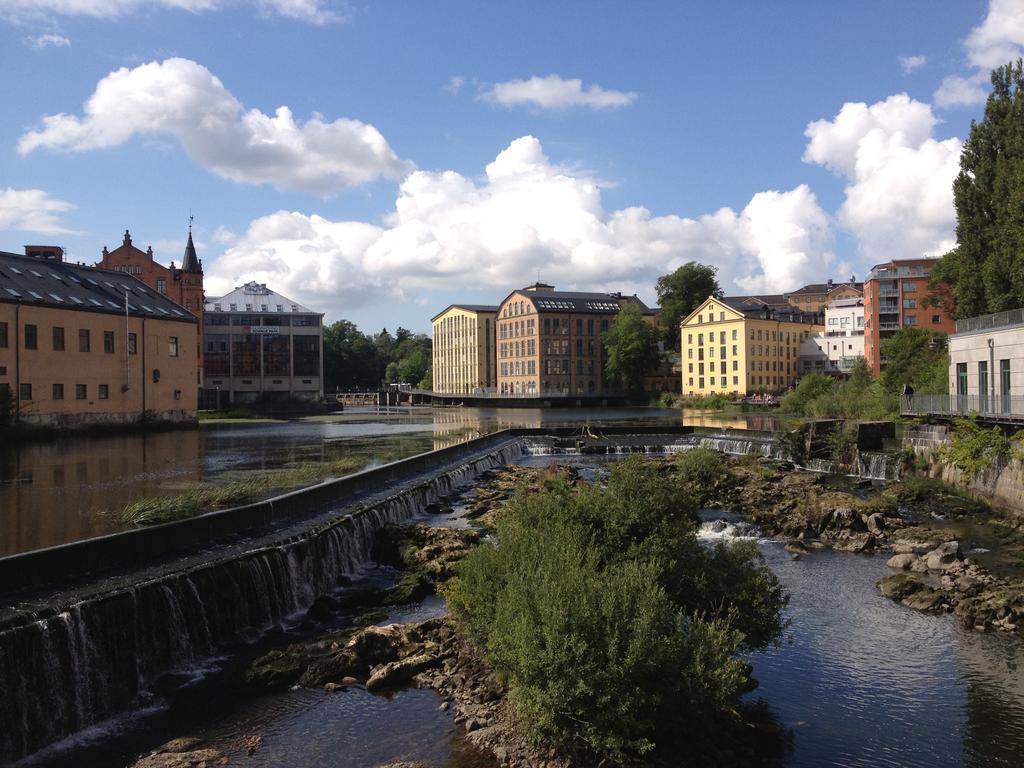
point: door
(983, 386)
(961, 387)
(1004, 386)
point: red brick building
(183, 286)
(896, 295)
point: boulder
(855, 542)
(876, 523)
(902, 562)
(944, 556)
(925, 599)
(899, 586)
(398, 672)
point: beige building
(463, 349)
(842, 343)
(260, 345)
(549, 342)
(815, 297)
(81, 345)
(986, 364)
(731, 346)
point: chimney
(830, 283)
(45, 252)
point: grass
(200, 498)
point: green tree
(632, 347)
(985, 272)
(915, 356)
(350, 358)
(681, 292)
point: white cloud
(526, 215)
(224, 236)
(312, 11)
(32, 210)
(957, 91)
(998, 40)
(912, 63)
(899, 196)
(183, 99)
(44, 41)
(554, 92)
(454, 84)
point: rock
(854, 542)
(175, 755)
(944, 556)
(796, 547)
(349, 681)
(903, 548)
(876, 523)
(902, 562)
(397, 672)
(402, 764)
(899, 586)
(919, 566)
(925, 599)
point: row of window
(57, 340)
(297, 321)
(81, 391)
(755, 381)
(755, 365)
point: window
(700, 383)
(25, 391)
(910, 303)
(910, 320)
(177, 394)
(58, 391)
(81, 391)
(108, 342)
(734, 334)
(161, 285)
(31, 341)
(172, 346)
(83, 339)
(3, 335)
(58, 339)
(132, 344)
(104, 392)
(909, 287)
(935, 320)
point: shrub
(616, 630)
(973, 449)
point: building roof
(491, 308)
(190, 262)
(815, 288)
(574, 301)
(771, 299)
(256, 297)
(47, 282)
(758, 309)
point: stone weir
(93, 650)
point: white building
(260, 345)
(986, 364)
(837, 349)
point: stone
(876, 523)
(925, 599)
(397, 672)
(902, 562)
(944, 556)
(899, 586)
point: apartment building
(734, 346)
(896, 295)
(182, 285)
(842, 343)
(260, 345)
(81, 345)
(549, 342)
(816, 297)
(463, 349)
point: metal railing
(888, 326)
(985, 322)
(1006, 406)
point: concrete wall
(972, 348)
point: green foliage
(985, 272)
(632, 348)
(973, 449)
(681, 292)
(616, 629)
(701, 468)
(842, 444)
(916, 356)
(858, 397)
(712, 402)
(354, 360)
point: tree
(632, 346)
(682, 292)
(350, 359)
(916, 356)
(985, 272)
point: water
(73, 488)
(863, 681)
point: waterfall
(64, 671)
(877, 466)
(725, 530)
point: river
(71, 488)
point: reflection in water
(73, 488)
(867, 682)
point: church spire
(190, 262)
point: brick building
(182, 285)
(82, 345)
(896, 295)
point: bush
(858, 397)
(616, 630)
(973, 449)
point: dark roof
(589, 303)
(748, 308)
(492, 308)
(826, 287)
(771, 299)
(190, 262)
(31, 281)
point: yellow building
(463, 358)
(732, 346)
(80, 345)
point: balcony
(888, 326)
(883, 292)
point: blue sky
(439, 152)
